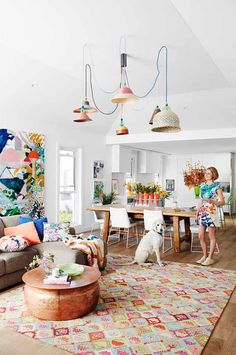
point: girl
(211, 196)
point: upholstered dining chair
(120, 222)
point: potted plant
(138, 190)
(108, 198)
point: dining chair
(196, 247)
(149, 218)
(229, 207)
(120, 222)
(98, 220)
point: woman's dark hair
(214, 172)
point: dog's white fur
(149, 244)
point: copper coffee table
(61, 302)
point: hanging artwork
(21, 173)
(98, 169)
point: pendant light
(121, 129)
(82, 117)
(85, 108)
(165, 121)
(125, 94)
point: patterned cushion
(55, 231)
(26, 230)
(13, 243)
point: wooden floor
(223, 339)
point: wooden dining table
(176, 216)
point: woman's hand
(213, 202)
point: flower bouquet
(194, 175)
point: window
(67, 163)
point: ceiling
(41, 50)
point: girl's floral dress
(208, 215)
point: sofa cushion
(26, 230)
(54, 232)
(37, 222)
(13, 243)
(63, 253)
(2, 266)
(17, 260)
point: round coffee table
(61, 302)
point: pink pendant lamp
(82, 117)
(125, 94)
(85, 108)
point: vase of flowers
(194, 175)
(46, 262)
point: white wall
(93, 148)
(174, 165)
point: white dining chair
(98, 221)
(196, 247)
(120, 222)
(149, 218)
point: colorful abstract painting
(21, 173)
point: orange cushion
(26, 230)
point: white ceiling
(41, 51)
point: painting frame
(115, 186)
(170, 185)
(98, 169)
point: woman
(211, 197)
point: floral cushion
(13, 243)
(54, 232)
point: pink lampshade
(85, 107)
(124, 95)
(82, 117)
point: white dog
(149, 244)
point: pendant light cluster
(164, 120)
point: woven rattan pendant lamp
(165, 121)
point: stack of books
(58, 280)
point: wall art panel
(21, 173)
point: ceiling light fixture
(125, 94)
(165, 121)
(161, 121)
(121, 129)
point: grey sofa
(12, 265)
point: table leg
(176, 234)
(187, 229)
(105, 235)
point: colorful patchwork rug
(142, 310)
